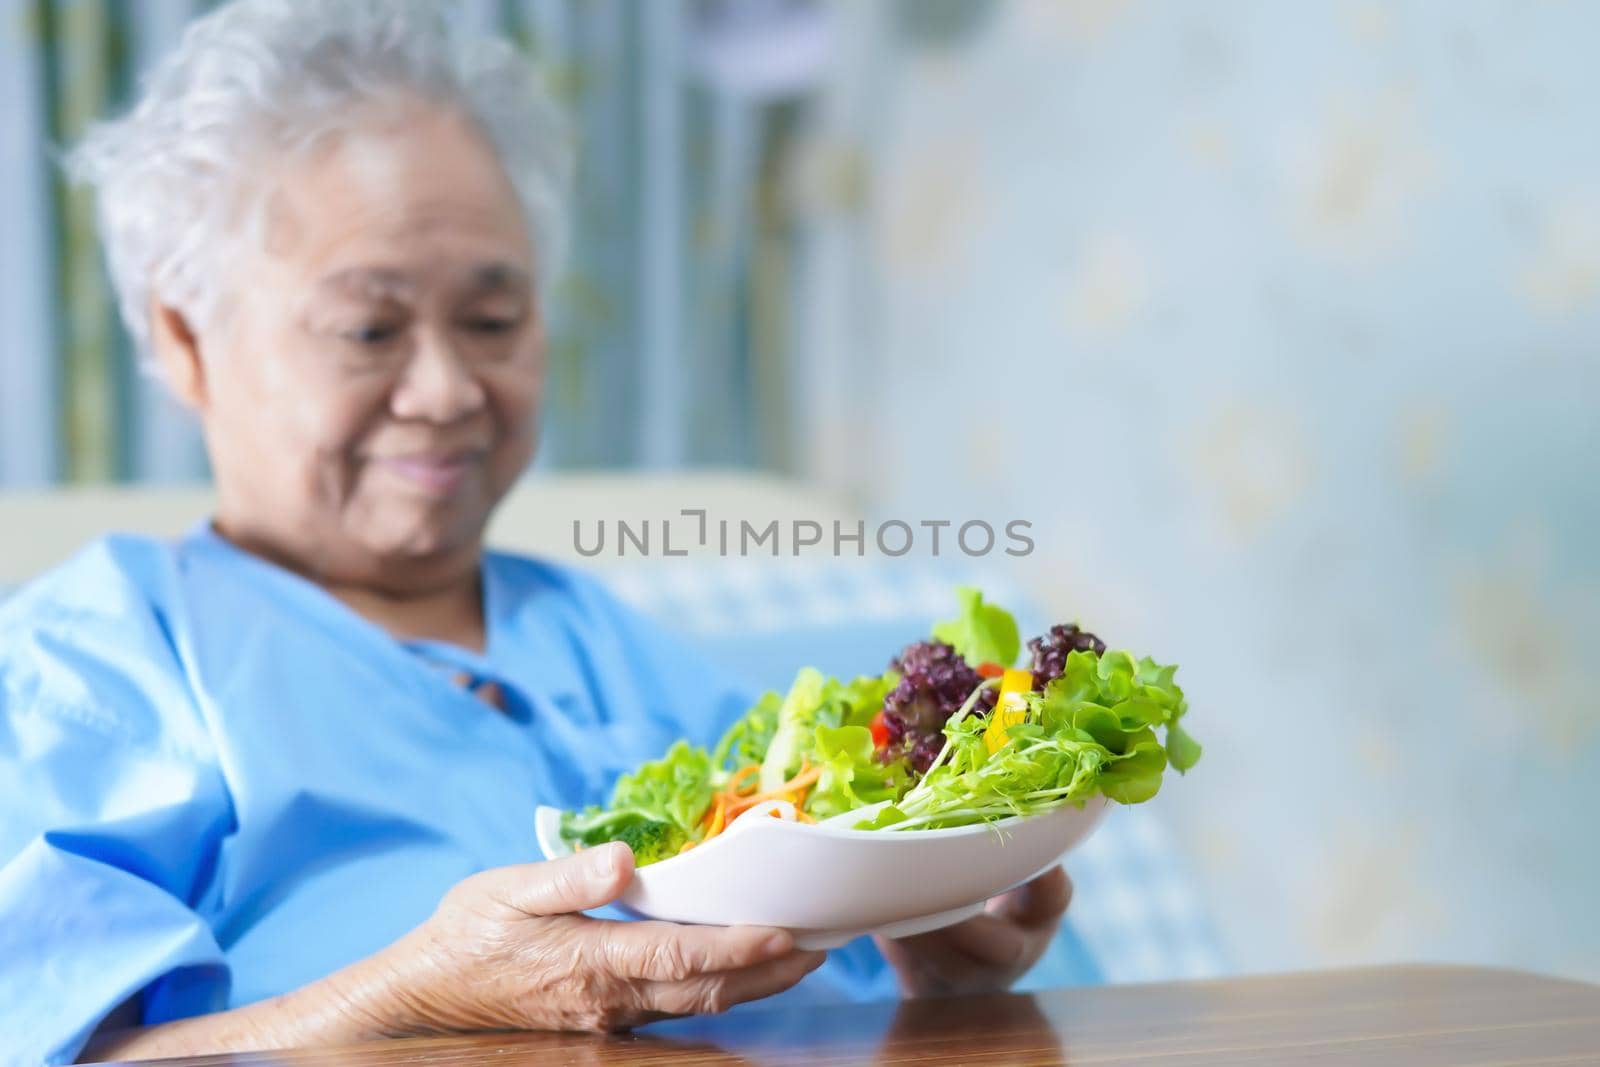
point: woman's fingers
(951, 957)
(509, 947)
(986, 939)
(589, 879)
(1039, 903)
(707, 994)
(669, 952)
(988, 950)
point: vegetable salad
(953, 733)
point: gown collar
(316, 604)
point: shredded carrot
(798, 784)
(728, 803)
(728, 795)
(719, 819)
(739, 776)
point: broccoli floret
(650, 840)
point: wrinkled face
(373, 387)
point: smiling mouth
(434, 475)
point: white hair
(276, 75)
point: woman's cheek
(515, 452)
(343, 432)
(516, 402)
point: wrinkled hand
(987, 952)
(509, 949)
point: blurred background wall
(1281, 323)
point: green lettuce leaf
(662, 800)
(814, 701)
(675, 789)
(797, 722)
(1092, 731)
(852, 777)
(982, 633)
(1135, 776)
(1182, 750)
(746, 741)
(861, 699)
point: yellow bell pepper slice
(1009, 709)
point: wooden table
(1398, 1016)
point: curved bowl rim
(1091, 806)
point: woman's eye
(375, 334)
(489, 325)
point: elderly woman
(273, 784)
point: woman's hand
(507, 949)
(510, 949)
(988, 952)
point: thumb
(588, 879)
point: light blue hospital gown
(218, 783)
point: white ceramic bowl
(828, 883)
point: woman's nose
(437, 384)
